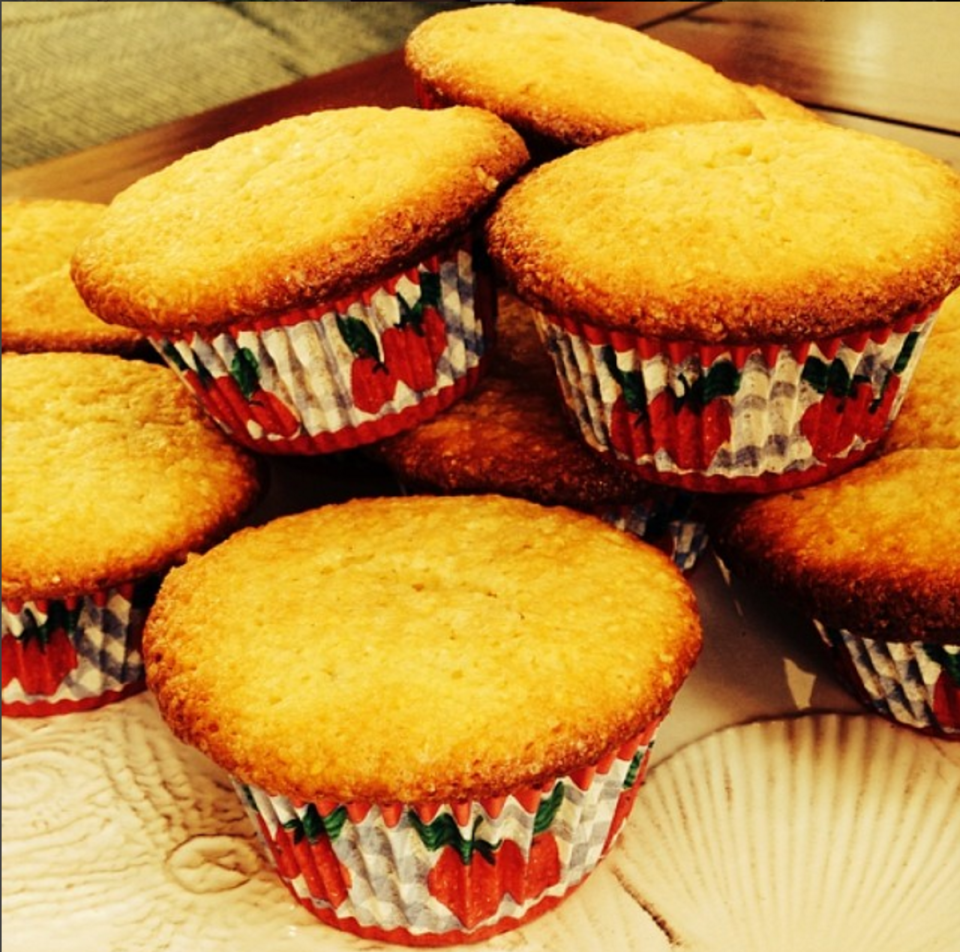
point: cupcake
(512, 436)
(316, 282)
(774, 105)
(728, 305)
(41, 307)
(564, 80)
(110, 476)
(436, 726)
(864, 555)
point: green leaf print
(411, 315)
(634, 770)
(358, 337)
(721, 380)
(547, 810)
(950, 662)
(906, 352)
(315, 827)
(443, 831)
(631, 383)
(245, 370)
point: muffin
(41, 307)
(864, 556)
(437, 726)
(564, 80)
(110, 476)
(511, 436)
(729, 305)
(316, 282)
(774, 105)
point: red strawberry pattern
(849, 408)
(690, 426)
(372, 384)
(413, 346)
(303, 846)
(239, 395)
(946, 689)
(472, 876)
(44, 655)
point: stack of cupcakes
(436, 724)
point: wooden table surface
(888, 68)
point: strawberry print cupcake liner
(672, 524)
(440, 874)
(347, 373)
(734, 418)
(911, 683)
(75, 654)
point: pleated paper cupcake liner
(76, 654)
(337, 376)
(743, 418)
(439, 874)
(912, 683)
(670, 522)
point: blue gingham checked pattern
(898, 677)
(109, 659)
(307, 363)
(389, 864)
(766, 409)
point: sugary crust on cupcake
(740, 232)
(110, 473)
(511, 435)
(871, 551)
(305, 210)
(418, 648)
(41, 307)
(570, 78)
(930, 415)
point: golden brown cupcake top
(511, 435)
(571, 78)
(418, 649)
(41, 307)
(870, 551)
(734, 231)
(292, 214)
(110, 473)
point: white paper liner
(321, 380)
(100, 632)
(762, 430)
(386, 886)
(669, 524)
(905, 681)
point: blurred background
(77, 74)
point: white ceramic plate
(827, 833)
